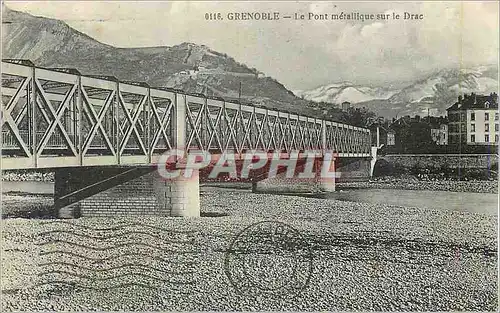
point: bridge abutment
(95, 192)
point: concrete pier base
(91, 192)
(179, 196)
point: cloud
(301, 54)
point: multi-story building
(391, 137)
(440, 135)
(473, 120)
(345, 105)
(382, 134)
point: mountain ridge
(198, 69)
(435, 92)
(187, 66)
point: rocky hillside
(193, 68)
(436, 92)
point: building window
(472, 138)
(486, 127)
(496, 127)
(472, 116)
(463, 128)
(496, 116)
(472, 127)
(487, 105)
(496, 138)
(486, 138)
(486, 116)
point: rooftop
(474, 101)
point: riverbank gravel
(365, 257)
(413, 183)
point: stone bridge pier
(141, 190)
(340, 170)
(114, 191)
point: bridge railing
(59, 117)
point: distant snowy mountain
(433, 94)
(345, 91)
(449, 83)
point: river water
(484, 203)
(33, 187)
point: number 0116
(213, 16)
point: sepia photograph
(249, 156)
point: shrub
(383, 168)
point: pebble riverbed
(365, 257)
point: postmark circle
(268, 258)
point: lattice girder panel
(229, 127)
(17, 101)
(350, 139)
(360, 147)
(336, 138)
(196, 116)
(352, 134)
(302, 134)
(340, 139)
(266, 133)
(260, 122)
(272, 126)
(161, 117)
(345, 136)
(316, 129)
(347, 140)
(285, 139)
(99, 123)
(367, 141)
(328, 133)
(132, 119)
(239, 131)
(292, 136)
(355, 143)
(355, 140)
(309, 134)
(361, 141)
(312, 133)
(279, 132)
(245, 133)
(213, 124)
(56, 105)
(332, 134)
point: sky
(301, 54)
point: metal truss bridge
(60, 118)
